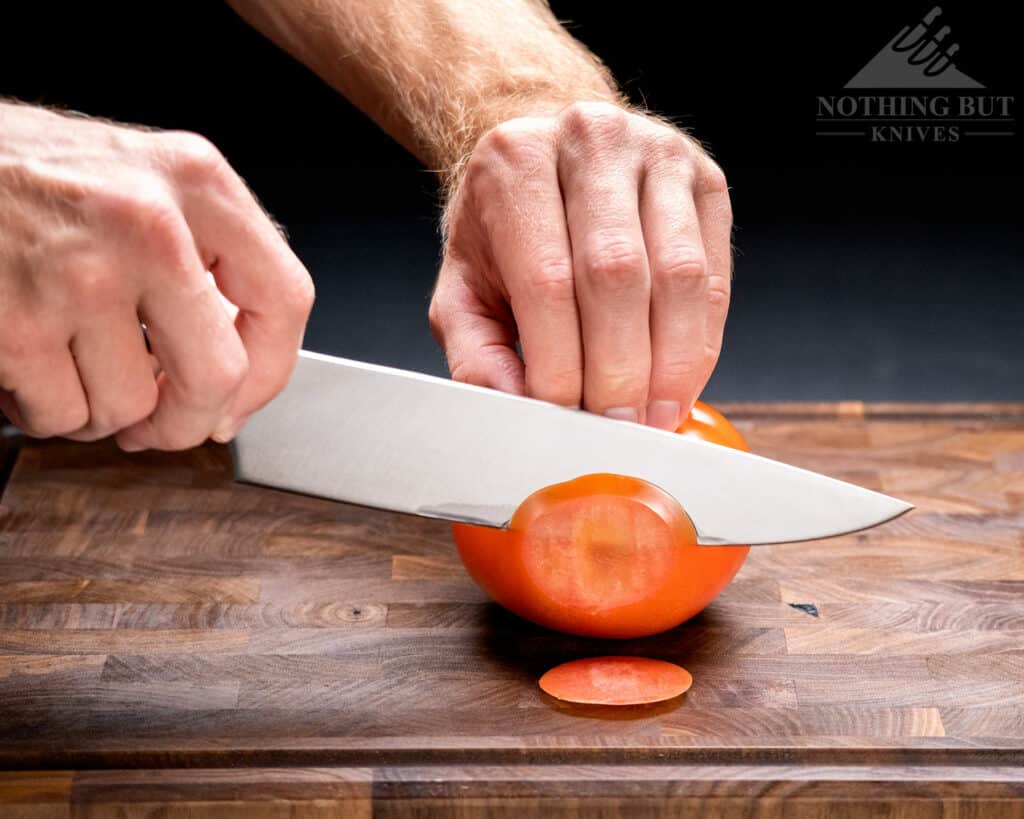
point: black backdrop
(875, 271)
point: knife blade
(408, 442)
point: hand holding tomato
(604, 555)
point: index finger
(529, 239)
(256, 270)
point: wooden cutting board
(167, 636)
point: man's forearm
(436, 74)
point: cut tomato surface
(616, 681)
(604, 555)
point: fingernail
(663, 414)
(129, 444)
(623, 414)
(228, 429)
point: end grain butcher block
(170, 638)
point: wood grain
(173, 643)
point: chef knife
(408, 442)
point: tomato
(604, 555)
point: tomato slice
(616, 681)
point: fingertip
(129, 442)
(228, 429)
(663, 414)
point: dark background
(864, 270)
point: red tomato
(604, 555)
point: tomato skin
(708, 424)
(604, 556)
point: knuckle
(595, 121)
(712, 178)
(160, 220)
(124, 206)
(92, 283)
(460, 369)
(478, 168)
(683, 266)
(434, 319)
(668, 143)
(437, 316)
(300, 293)
(194, 155)
(719, 291)
(563, 386)
(622, 384)
(449, 303)
(552, 280)
(150, 214)
(683, 369)
(514, 140)
(616, 266)
(511, 151)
